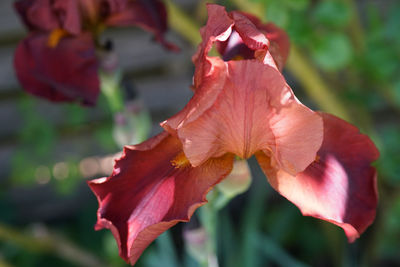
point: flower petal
(243, 107)
(71, 17)
(151, 15)
(241, 34)
(252, 36)
(279, 44)
(147, 193)
(37, 14)
(218, 29)
(340, 186)
(39, 70)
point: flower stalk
(110, 84)
(208, 218)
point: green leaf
(76, 115)
(299, 29)
(332, 14)
(278, 14)
(332, 52)
(397, 92)
(277, 254)
(296, 4)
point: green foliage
(333, 14)
(332, 52)
(390, 156)
(75, 115)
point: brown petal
(340, 186)
(67, 72)
(152, 189)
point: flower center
(180, 161)
(55, 37)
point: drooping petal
(340, 185)
(67, 72)
(243, 107)
(151, 189)
(151, 15)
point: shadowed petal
(279, 44)
(340, 186)
(66, 72)
(252, 37)
(47, 15)
(68, 12)
(241, 35)
(218, 28)
(37, 14)
(243, 107)
(150, 15)
(151, 189)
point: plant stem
(314, 85)
(182, 23)
(355, 28)
(208, 217)
(110, 85)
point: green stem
(314, 85)
(208, 218)
(110, 84)
(355, 28)
(182, 23)
(257, 9)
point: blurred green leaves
(332, 52)
(332, 14)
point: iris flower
(57, 60)
(241, 107)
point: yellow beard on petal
(55, 37)
(238, 57)
(180, 161)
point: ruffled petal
(151, 189)
(340, 185)
(151, 15)
(218, 29)
(40, 72)
(279, 44)
(251, 35)
(241, 35)
(243, 107)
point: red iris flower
(241, 107)
(58, 59)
